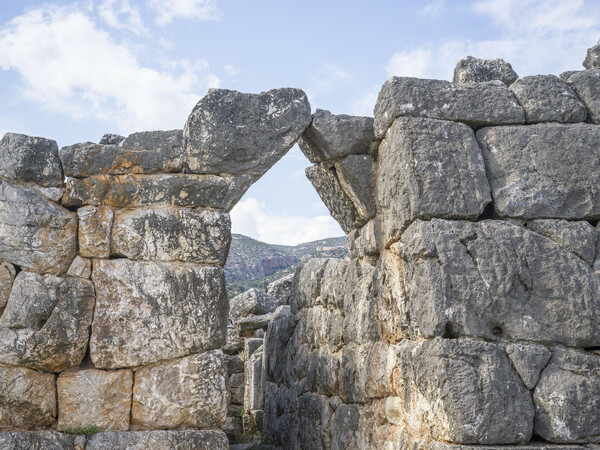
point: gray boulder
(476, 70)
(236, 133)
(475, 104)
(150, 311)
(167, 439)
(281, 289)
(578, 237)
(567, 398)
(586, 84)
(428, 168)
(35, 440)
(335, 136)
(35, 233)
(252, 302)
(532, 176)
(528, 360)
(30, 159)
(111, 139)
(592, 59)
(356, 174)
(546, 98)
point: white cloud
(70, 65)
(433, 9)
(231, 70)
(363, 106)
(251, 218)
(167, 10)
(121, 15)
(412, 63)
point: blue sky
(74, 70)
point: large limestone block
(476, 70)
(252, 302)
(30, 159)
(276, 339)
(35, 233)
(334, 283)
(236, 133)
(168, 233)
(144, 152)
(306, 286)
(314, 414)
(528, 360)
(475, 104)
(546, 98)
(281, 289)
(586, 84)
(532, 176)
(356, 174)
(253, 375)
(35, 440)
(344, 427)
(7, 276)
(567, 398)
(577, 236)
(94, 397)
(152, 311)
(95, 226)
(187, 392)
(160, 439)
(360, 323)
(335, 136)
(497, 280)
(45, 324)
(131, 191)
(27, 398)
(462, 391)
(592, 59)
(428, 168)
(362, 242)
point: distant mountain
(253, 263)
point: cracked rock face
(252, 302)
(528, 360)
(38, 440)
(7, 276)
(592, 59)
(586, 84)
(235, 133)
(152, 311)
(95, 225)
(356, 174)
(142, 440)
(476, 70)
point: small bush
(86, 431)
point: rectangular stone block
(152, 311)
(159, 439)
(95, 225)
(586, 83)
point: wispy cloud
(121, 15)
(433, 9)
(231, 70)
(363, 106)
(167, 10)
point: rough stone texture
(586, 84)
(461, 391)
(30, 159)
(252, 302)
(80, 267)
(234, 363)
(567, 398)
(188, 392)
(497, 280)
(428, 168)
(110, 138)
(232, 132)
(546, 98)
(234, 343)
(94, 397)
(281, 289)
(356, 174)
(253, 372)
(36, 440)
(362, 241)
(306, 286)
(578, 237)
(533, 177)
(237, 388)
(36, 234)
(335, 136)
(7, 276)
(325, 180)
(476, 104)
(151, 311)
(27, 398)
(252, 323)
(159, 439)
(143, 152)
(528, 360)
(45, 324)
(476, 70)
(359, 321)
(95, 225)
(168, 233)
(592, 59)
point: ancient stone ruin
(468, 313)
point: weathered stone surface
(36, 234)
(323, 372)
(80, 267)
(125, 191)
(345, 427)
(45, 324)
(281, 289)
(356, 174)
(592, 59)
(578, 237)
(35, 440)
(252, 323)
(94, 397)
(334, 283)
(110, 138)
(567, 398)
(528, 360)
(335, 136)
(428, 168)
(325, 180)
(143, 152)
(27, 398)
(314, 418)
(159, 439)
(533, 177)
(252, 302)
(234, 363)
(30, 159)
(462, 391)
(546, 98)
(306, 286)
(359, 320)
(362, 241)
(152, 311)
(168, 233)
(234, 343)
(497, 280)
(253, 373)
(237, 387)
(586, 84)
(236, 133)
(475, 104)
(95, 225)
(476, 70)
(278, 334)
(7, 276)
(187, 392)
